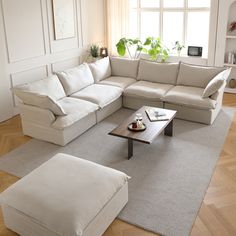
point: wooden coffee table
(153, 129)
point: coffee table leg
(169, 129)
(130, 148)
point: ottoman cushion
(65, 193)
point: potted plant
(134, 47)
(155, 49)
(178, 47)
(152, 46)
(94, 51)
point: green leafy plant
(125, 44)
(178, 47)
(155, 49)
(152, 46)
(94, 51)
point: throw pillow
(215, 84)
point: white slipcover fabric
(64, 194)
(75, 79)
(121, 82)
(136, 103)
(40, 100)
(99, 94)
(165, 73)
(124, 67)
(189, 96)
(76, 109)
(196, 76)
(58, 136)
(50, 86)
(107, 95)
(36, 115)
(101, 69)
(215, 84)
(147, 90)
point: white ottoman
(65, 196)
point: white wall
(28, 49)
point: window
(147, 28)
(186, 21)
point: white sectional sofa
(60, 108)
(179, 87)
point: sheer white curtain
(117, 12)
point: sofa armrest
(36, 115)
(219, 93)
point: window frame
(161, 9)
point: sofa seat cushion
(147, 90)
(124, 67)
(189, 96)
(75, 109)
(99, 94)
(165, 73)
(196, 76)
(65, 194)
(118, 81)
(76, 78)
(101, 69)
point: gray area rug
(169, 177)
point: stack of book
(156, 114)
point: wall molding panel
(30, 51)
(65, 64)
(80, 26)
(6, 103)
(24, 35)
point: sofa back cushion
(75, 79)
(124, 67)
(196, 76)
(165, 73)
(101, 69)
(43, 93)
(50, 86)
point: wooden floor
(217, 216)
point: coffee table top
(153, 129)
